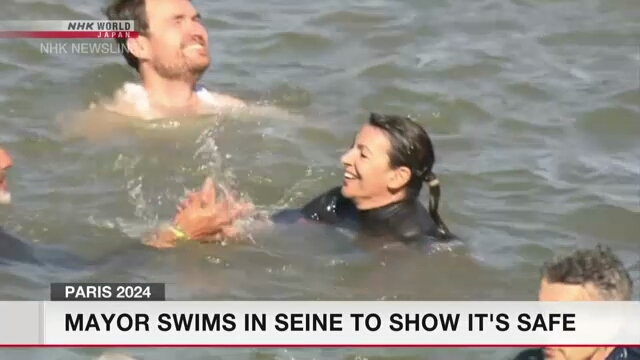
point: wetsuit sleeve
(530, 354)
(326, 208)
(287, 217)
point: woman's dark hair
(412, 147)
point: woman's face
(368, 178)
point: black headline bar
(107, 292)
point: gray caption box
(107, 292)
(22, 322)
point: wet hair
(129, 10)
(599, 267)
(412, 147)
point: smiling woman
(391, 158)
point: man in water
(5, 163)
(171, 55)
(585, 275)
(385, 169)
(11, 248)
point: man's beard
(183, 69)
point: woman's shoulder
(330, 206)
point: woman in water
(385, 169)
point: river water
(534, 108)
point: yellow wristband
(180, 235)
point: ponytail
(434, 199)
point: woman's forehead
(373, 138)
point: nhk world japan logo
(68, 29)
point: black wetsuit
(622, 353)
(15, 250)
(619, 353)
(405, 221)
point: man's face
(5, 163)
(178, 44)
(566, 292)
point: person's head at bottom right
(586, 275)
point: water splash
(208, 155)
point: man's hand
(202, 217)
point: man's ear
(139, 47)
(398, 178)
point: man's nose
(197, 29)
(5, 159)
